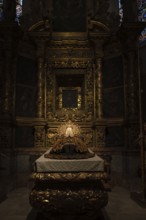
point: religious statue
(69, 132)
(69, 143)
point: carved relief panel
(52, 136)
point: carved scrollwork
(88, 137)
(69, 201)
(49, 94)
(39, 136)
(70, 43)
(69, 63)
(76, 116)
(100, 136)
(89, 96)
(45, 177)
(72, 193)
(51, 137)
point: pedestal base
(69, 195)
(100, 216)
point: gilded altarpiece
(73, 75)
(81, 114)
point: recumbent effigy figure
(69, 144)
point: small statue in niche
(69, 144)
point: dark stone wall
(113, 100)
(24, 137)
(25, 101)
(115, 136)
(26, 84)
(69, 16)
(113, 85)
(143, 79)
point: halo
(61, 130)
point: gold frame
(79, 99)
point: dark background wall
(25, 102)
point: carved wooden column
(41, 35)
(99, 94)
(99, 120)
(98, 33)
(39, 127)
(40, 97)
(98, 51)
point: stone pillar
(40, 98)
(39, 127)
(99, 120)
(40, 77)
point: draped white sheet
(93, 164)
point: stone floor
(120, 206)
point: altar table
(69, 188)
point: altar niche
(70, 97)
(70, 91)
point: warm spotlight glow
(68, 129)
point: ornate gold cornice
(69, 43)
(64, 177)
(70, 63)
(71, 35)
